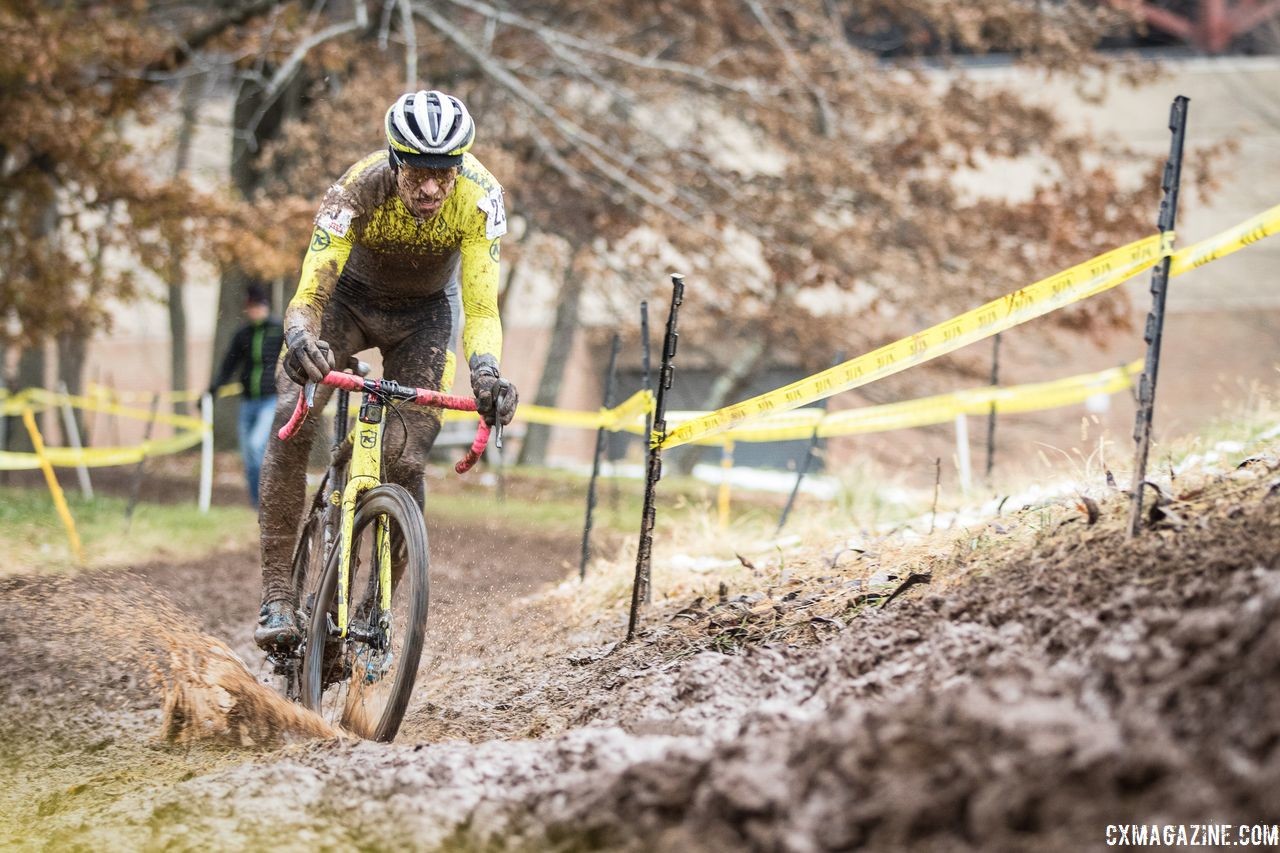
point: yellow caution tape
(99, 457)
(629, 411)
(560, 417)
(90, 404)
(1077, 283)
(979, 401)
(1035, 300)
(93, 389)
(925, 411)
(776, 415)
(629, 414)
(1232, 240)
(189, 431)
(11, 404)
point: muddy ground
(1052, 679)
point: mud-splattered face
(423, 191)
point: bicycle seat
(358, 367)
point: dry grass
(721, 589)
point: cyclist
(405, 240)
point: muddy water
(1058, 688)
(118, 682)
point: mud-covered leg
(284, 486)
(418, 360)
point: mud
(1038, 690)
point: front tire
(354, 684)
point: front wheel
(363, 682)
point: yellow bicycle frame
(365, 472)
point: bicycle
(359, 656)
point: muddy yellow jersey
(367, 243)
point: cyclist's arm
(482, 329)
(326, 256)
(331, 241)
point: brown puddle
(118, 635)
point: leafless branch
(596, 150)
(284, 74)
(490, 33)
(200, 36)
(410, 46)
(578, 65)
(384, 24)
(793, 65)
(576, 179)
(317, 7)
(550, 36)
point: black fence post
(647, 382)
(611, 374)
(646, 374)
(807, 459)
(653, 471)
(1155, 320)
(991, 414)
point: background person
(251, 358)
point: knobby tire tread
(396, 502)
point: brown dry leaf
(1089, 507)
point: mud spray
(117, 630)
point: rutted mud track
(1073, 681)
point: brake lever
(498, 400)
(309, 393)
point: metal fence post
(809, 455)
(991, 414)
(1155, 319)
(610, 377)
(653, 471)
(72, 429)
(723, 496)
(206, 452)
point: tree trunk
(537, 437)
(191, 89)
(31, 360)
(246, 177)
(31, 364)
(73, 346)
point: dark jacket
(252, 358)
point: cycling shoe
(277, 630)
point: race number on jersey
(337, 223)
(495, 215)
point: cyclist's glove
(307, 359)
(496, 398)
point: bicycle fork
(365, 474)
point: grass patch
(549, 500)
(36, 541)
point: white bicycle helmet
(429, 130)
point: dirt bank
(1054, 678)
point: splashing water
(210, 693)
(110, 630)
